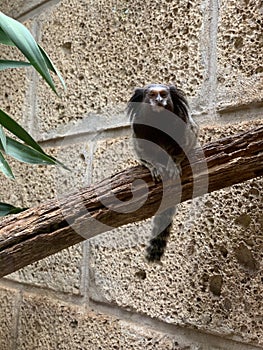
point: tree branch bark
(57, 224)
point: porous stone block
(240, 54)
(14, 87)
(8, 315)
(112, 156)
(105, 50)
(18, 7)
(210, 276)
(60, 272)
(52, 324)
(38, 183)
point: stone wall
(207, 294)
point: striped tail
(162, 224)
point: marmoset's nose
(158, 98)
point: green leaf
(6, 209)
(25, 42)
(2, 138)
(5, 64)
(17, 130)
(5, 168)
(51, 66)
(4, 39)
(10, 124)
(26, 154)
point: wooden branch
(48, 228)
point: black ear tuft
(133, 104)
(179, 102)
(137, 95)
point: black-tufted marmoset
(163, 133)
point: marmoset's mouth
(157, 108)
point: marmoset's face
(158, 96)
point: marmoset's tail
(162, 225)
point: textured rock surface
(46, 182)
(8, 312)
(59, 326)
(15, 83)
(60, 272)
(240, 56)
(19, 7)
(111, 48)
(210, 280)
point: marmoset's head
(158, 96)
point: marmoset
(163, 133)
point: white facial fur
(158, 97)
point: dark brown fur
(162, 131)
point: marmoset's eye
(152, 94)
(163, 94)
